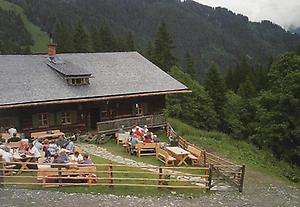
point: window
(79, 81)
(66, 118)
(43, 120)
(139, 109)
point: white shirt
(12, 131)
(5, 155)
(35, 152)
(77, 159)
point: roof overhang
(91, 99)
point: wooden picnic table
(179, 153)
(8, 136)
(48, 136)
(23, 161)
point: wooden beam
(92, 99)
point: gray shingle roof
(68, 69)
(28, 78)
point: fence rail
(112, 126)
(232, 172)
(105, 175)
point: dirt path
(264, 192)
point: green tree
(247, 89)
(189, 65)
(130, 46)
(215, 86)
(63, 38)
(81, 41)
(163, 45)
(195, 108)
(149, 53)
(279, 112)
(95, 39)
(108, 40)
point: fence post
(204, 158)
(242, 178)
(160, 170)
(2, 172)
(110, 174)
(209, 176)
(60, 175)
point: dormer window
(73, 74)
(78, 81)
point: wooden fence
(230, 171)
(107, 175)
(113, 126)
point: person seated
(12, 131)
(2, 141)
(63, 157)
(58, 161)
(147, 139)
(6, 155)
(77, 157)
(134, 140)
(139, 132)
(14, 138)
(70, 147)
(122, 130)
(62, 142)
(33, 151)
(51, 150)
(145, 129)
(38, 144)
(86, 160)
(24, 146)
(156, 139)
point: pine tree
(95, 39)
(108, 41)
(149, 53)
(81, 41)
(247, 89)
(130, 42)
(163, 46)
(63, 38)
(215, 86)
(189, 65)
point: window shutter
(35, 120)
(51, 119)
(58, 118)
(73, 117)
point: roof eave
(92, 99)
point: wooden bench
(146, 149)
(121, 138)
(45, 172)
(195, 155)
(45, 135)
(163, 156)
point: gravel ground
(266, 192)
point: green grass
(39, 37)
(116, 190)
(238, 151)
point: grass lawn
(116, 190)
(235, 150)
(39, 37)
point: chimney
(51, 50)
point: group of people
(61, 150)
(140, 135)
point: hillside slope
(212, 34)
(39, 37)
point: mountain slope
(212, 34)
(39, 37)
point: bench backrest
(146, 145)
(162, 152)
(194, 150)
(41, 133)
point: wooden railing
(112, 126)
(109, 175)
(232, 172)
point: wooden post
(204, 158)
(60, 175)
(160, 170)
(209, 176)
(242, 178)
(110, 174)
(2, 172)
